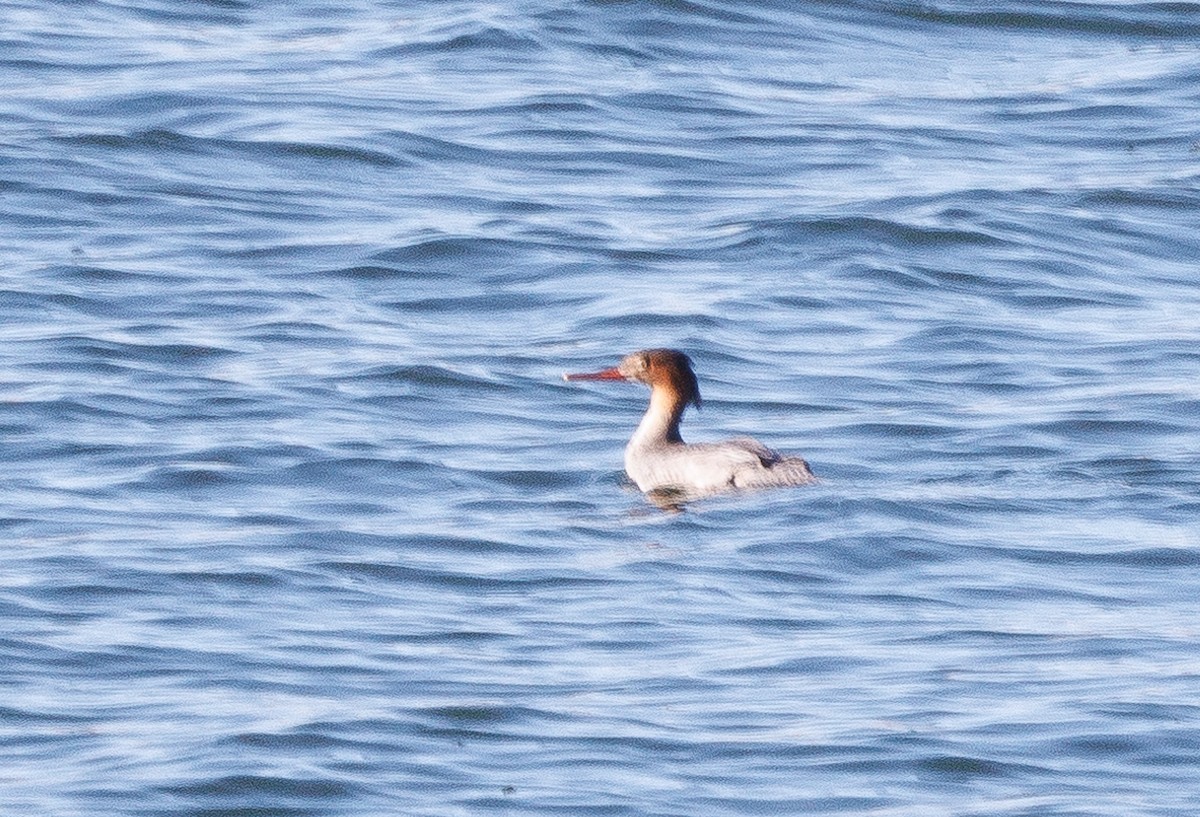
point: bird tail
(782, 472)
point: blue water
(299, 518)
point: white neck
(660, 425)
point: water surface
(300, 518)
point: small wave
(487, 39)
(265, 793)
(159, 140)
(1157, 20)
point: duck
(657, 459)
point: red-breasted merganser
(658, 459)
